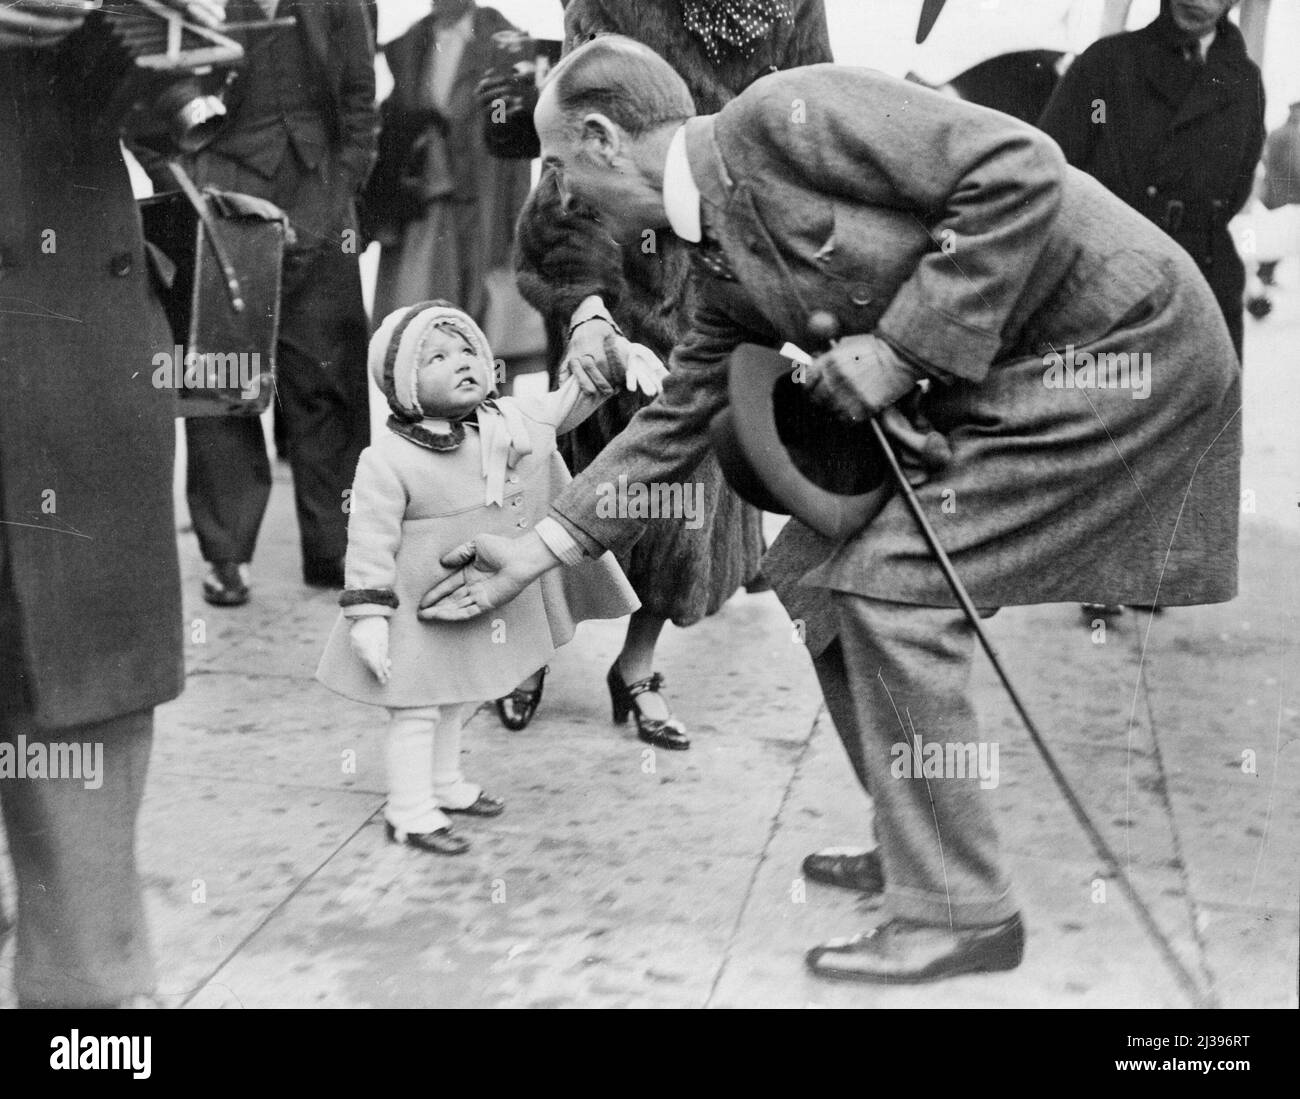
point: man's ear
(601, 136)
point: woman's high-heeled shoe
(517, 708)
(669, 733)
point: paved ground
(621, 877)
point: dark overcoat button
(860, 295)
(121, 264)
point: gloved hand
(859, 377)
(645, 371)
(601, 358)
(369, 638)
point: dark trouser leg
(1228, 283)
(1236, 326)
(831, 674)
(909, 672)
(833, 677)
(321, 383)
(228, 484)
(82, 940)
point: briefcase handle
(233, 289)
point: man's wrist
(559, 543)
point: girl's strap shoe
(517, 708)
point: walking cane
(824, 326)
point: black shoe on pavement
(517, 708)
(847, 869)
(483, 806)
(323, 572)
(442, 841)
(903, 952)
(226, 585)
(667, 733)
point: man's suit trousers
(897, 677)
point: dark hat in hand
(785, 454)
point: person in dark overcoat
(301, 133)
(443, 209)
(90, 608)
(1077, 365)
(585, 285)
(1171, 118)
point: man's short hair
(619, 77)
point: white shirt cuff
(559, 541)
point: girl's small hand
(369, 637)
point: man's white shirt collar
(681, 196)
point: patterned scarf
(737, 24)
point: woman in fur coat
(591, 289)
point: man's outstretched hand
(487, 573)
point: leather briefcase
(217, 258)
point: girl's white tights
(423, 760)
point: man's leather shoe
(226, 585)
(443, 841)
(846, 868)
(903, 952)
(483, 806)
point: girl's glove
(644, 370)
(369, 637)
(601, 357)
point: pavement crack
(284, 902)
(1161, 791)
(762, 855)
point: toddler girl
(456, 461)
